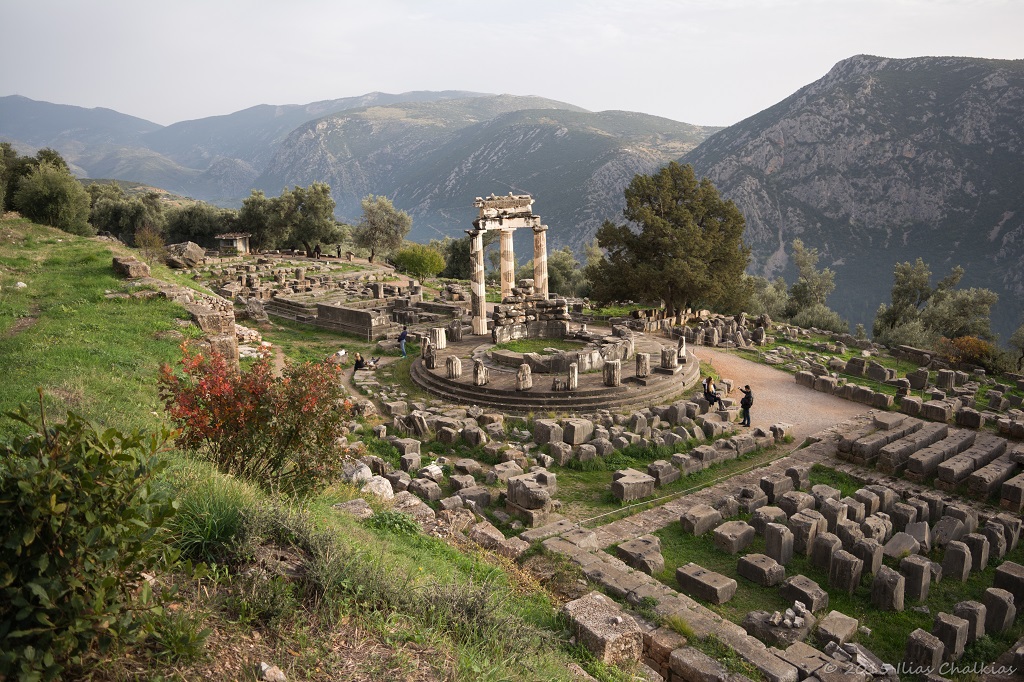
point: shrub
(279, 433)
(419, 260)
(210, 515)
(820, 316)
(79, 523)
(972, 351)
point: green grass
(305, 343)
(586, 493)
(88, 354)
(466, 613)
(538, 345)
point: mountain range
(878, 162)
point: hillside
(432, 152)
(436, 157)
(882, 161)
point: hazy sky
(710, 62)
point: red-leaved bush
(278, 432)
(970, 350)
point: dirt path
(777, 397)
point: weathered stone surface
(577, 431)
(700, 518)
(733, 536)
(917, 572)
(901, 545)
(794, 501)
(778, 540)
(956, 562)
(1010, 577)
(952, 632)
(802, 589)
(947, 530)
(870, 552)
(546, 431)
(611, 635)
(834, 512)
(822, 550)
(921, 532)
(662, 472)
(978, 544)
(761, 569)
(924, 651)
(701, 583)
(642, 553)
(629, 485)
(887, 590)
(855, 510)
(837, 627)
(425, 489)
(1000, 610)
(775, 485)
(845, 571)
(974, 613)
(687, 663)
(765, 515)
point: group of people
(713, 398)
(363, 363)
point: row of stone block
(835, 386)
(950, 633)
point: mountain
(433, 158)
(431, 152)
(882, 161)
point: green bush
(79, 523)
(178, 637)
(820, 316)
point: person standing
(401, 340)
(746, 402)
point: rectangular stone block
(700, 583)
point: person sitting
(360, 363)
(711, 394)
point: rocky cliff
(882, 161)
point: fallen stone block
(611, 635)
(700, 583)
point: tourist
(401, 340)
(339, 251)
(360, 363)
(746, 402)
(711, 394)
(316, 251)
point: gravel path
(777, 397)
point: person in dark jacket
(746, 402)
(402, 338)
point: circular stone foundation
(659, 387)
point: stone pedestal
(643, 365)
(438, 338)
(524, 378)
(479, 373)
(613, 373)
(453, 366)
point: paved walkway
(777, 396)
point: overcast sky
(710, 62)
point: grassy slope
(99, 357)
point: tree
(920, 315)
(51, 196)
(383, 227)
(198, 222)
(813, 286)
(257, 217)
(419, 260)
(683, 246)
(125, 216)
(771, 298)
(305, 215)
(565, 276)
(1017, 345)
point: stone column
(573, 381)
(476, 282)
(540, 261)
(613, 373)
(508, 264)
(524, 378)
(669, 358)
(438, 338)
(479, 373)
(454, 367)
(643, 364)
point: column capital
(540, 228)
